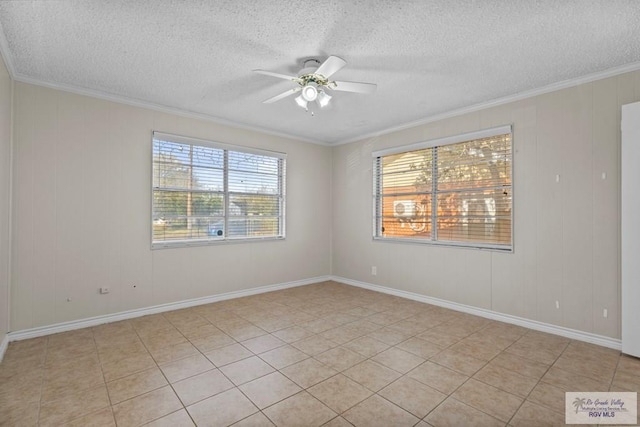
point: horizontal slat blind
(459, 193)
(207, 193)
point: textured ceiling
(428, 58)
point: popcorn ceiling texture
(427, 57)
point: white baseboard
(3, 346)
(519, 321)
(130, 314)
(493, 315)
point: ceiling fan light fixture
(309, 93)
(302, 103)
(323, 99)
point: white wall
(566, 234)
(82, 185)
(5, 182)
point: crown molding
(160, 108)
(6, 54)
(611, 72)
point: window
(455, 191)
(206, 192)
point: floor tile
(256, 420)
(185, 368)
(398, 360)
(23, 413)
(135, 385)
(246, 370)
(222, 409)
(176, 419)
(263, 343)
(242, 333)
(339, 358)
(292, 334)
(460, 362)
(372, 375)
(453, 413)
(146, 407)
(376, 411)
(366, 346)
(526, 367)
(339, 393)
(199, 387)
(488, 399)
(228, 354)
(389, 336)
(480, 350)
(211, 342)
(73, 378)
(61, 382)
(301, 409)
(101, 418)
(421, 348)
(127, 366)
(308, 372)
(438, 377)
(569, 381)
(532, 415)
(173, 352)
(73, 406)
(440, 337)
(284, 356)
(504, 379)
(314, 345)
(270, 389)
(412, 396)
(338, 422)
(548, 396)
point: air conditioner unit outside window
(404, 208)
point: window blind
(206, 192)
(455, 190)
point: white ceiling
(429, 58)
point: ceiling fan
(313, 82)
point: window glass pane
(203, 194)
(475, 216)
(407, 172)
(258, 205)
(248, 162)
(475, 164)
(247, 182)
(169, 204)
(253, 226)
(472, 193)
(407, 216)
(188, 228)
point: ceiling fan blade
(354, 87)
(330, 66)
(282, 95)
(278, 75)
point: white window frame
(378, 199)
(225, 192)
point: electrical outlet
(104, 290)
(605, 313)
(374, 270)
(557, 304)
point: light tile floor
(324, 354)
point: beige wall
(566, 234)
(5, 194)
(81, 221)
